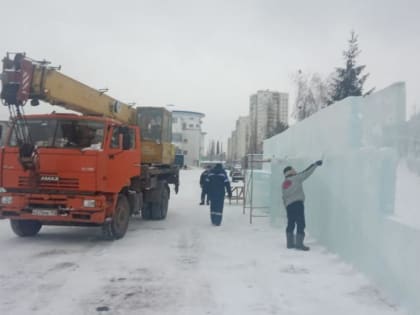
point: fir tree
(349, 81)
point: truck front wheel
(25, 228)
(118, 225)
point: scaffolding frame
(238, 193)
(249, 188)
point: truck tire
(118, 226)
(146, 212)
(157, 210)
(25, 228)
(160, 209)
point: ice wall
(350, 199)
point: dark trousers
(296, 216)
(216, 210)
(203, 195)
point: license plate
(44, 212)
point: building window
(185, 140)
(198, 126)
(185, 152)
(184, 126)
(174, 120)
(177, 137)
(191, 126)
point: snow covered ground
(182, 265)
(407, 198)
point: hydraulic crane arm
(25, 79)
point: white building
(267, 110)
(187, 135)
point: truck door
(124, 157)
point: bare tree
(313, 94)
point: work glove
(318, 163)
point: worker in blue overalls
(217, 186)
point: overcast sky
(210, 56)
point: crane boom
(58, 89)
(25, 79)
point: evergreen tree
(349, 81)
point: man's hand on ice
(318, 163)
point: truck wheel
(158, 209)
(165, 202)
(117, 227)
(25, 228)
(146, 212)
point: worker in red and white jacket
(293, 199)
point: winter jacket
(217, 183)
(292, 186)
(203, 178)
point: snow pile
(351, 197)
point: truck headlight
(6, 200)
(89, 203)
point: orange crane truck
(94, 168)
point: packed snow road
(182, 265)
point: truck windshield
(61, 133)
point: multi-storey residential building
(238, 141)
(234, 145)
(242, 136)
(267, 110)
(187, 135)
(229, 149)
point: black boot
(299, 242)
(201, 203)
(290, 238)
